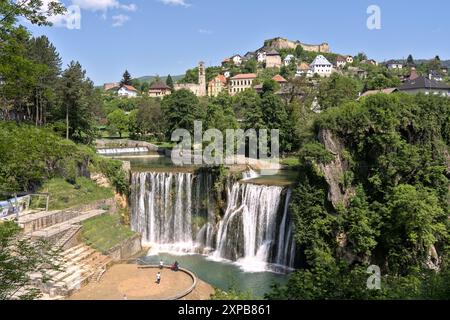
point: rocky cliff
(338, 193)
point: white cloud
(96, 5)
(204, 31)
(104, 5)
(129, 7)
(119, 20)
(182, 3)
(71, 19)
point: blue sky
(150, 37)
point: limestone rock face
(334, 171)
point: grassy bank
(104, 232)
(65, 195)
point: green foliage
(30, 156)
(76, 91)
(232, 294)
(112, 169)
(317, 152)
(118, 122)
(336, 90)
(396, 147)
(126, 79)
(181, 109)
(66, 195)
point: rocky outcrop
(334, 171)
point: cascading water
(177, 212)
(115, 151)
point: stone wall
(126, 249)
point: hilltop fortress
(283, 43)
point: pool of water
(222, 274)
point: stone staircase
(82, 264)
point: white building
(261, 57)
(321, 66)
(241, 82)
(289, 59)
(394, 65)
(341, 62)
(303, 69)
(127, 91)
(237, 60)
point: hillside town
(282, 61)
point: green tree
(169, 82)
(299, 51)
(118, 122)
(336, 90)
(126, 79)
(181, 109)
(410, 61)
(74, 94)
(220, 114)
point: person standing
(158, 277)
(161, 264)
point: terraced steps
(82, 264)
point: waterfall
(115, 151)
(178, 212)
(252, 209)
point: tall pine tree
(126, 79)
(169, 81)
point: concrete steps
(82, 264)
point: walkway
(139, 284)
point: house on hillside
(109, 86)
(159, 90)
(425, 85)
(216, 85)
(436, 76)
(273, 59)
(289, 59)
(394, 65)
(280, 80)
(321, 66)
(261, 57)
(124, 91)
(127, 91)
(341, 62)
(236, 59)
(303, 69)
(241, 82)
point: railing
(182, 294)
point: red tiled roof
(341, 59)
(244, 76)
(221, 78)
(129, 88)
(279, 78)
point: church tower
(201, 79)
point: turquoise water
(222, 275)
